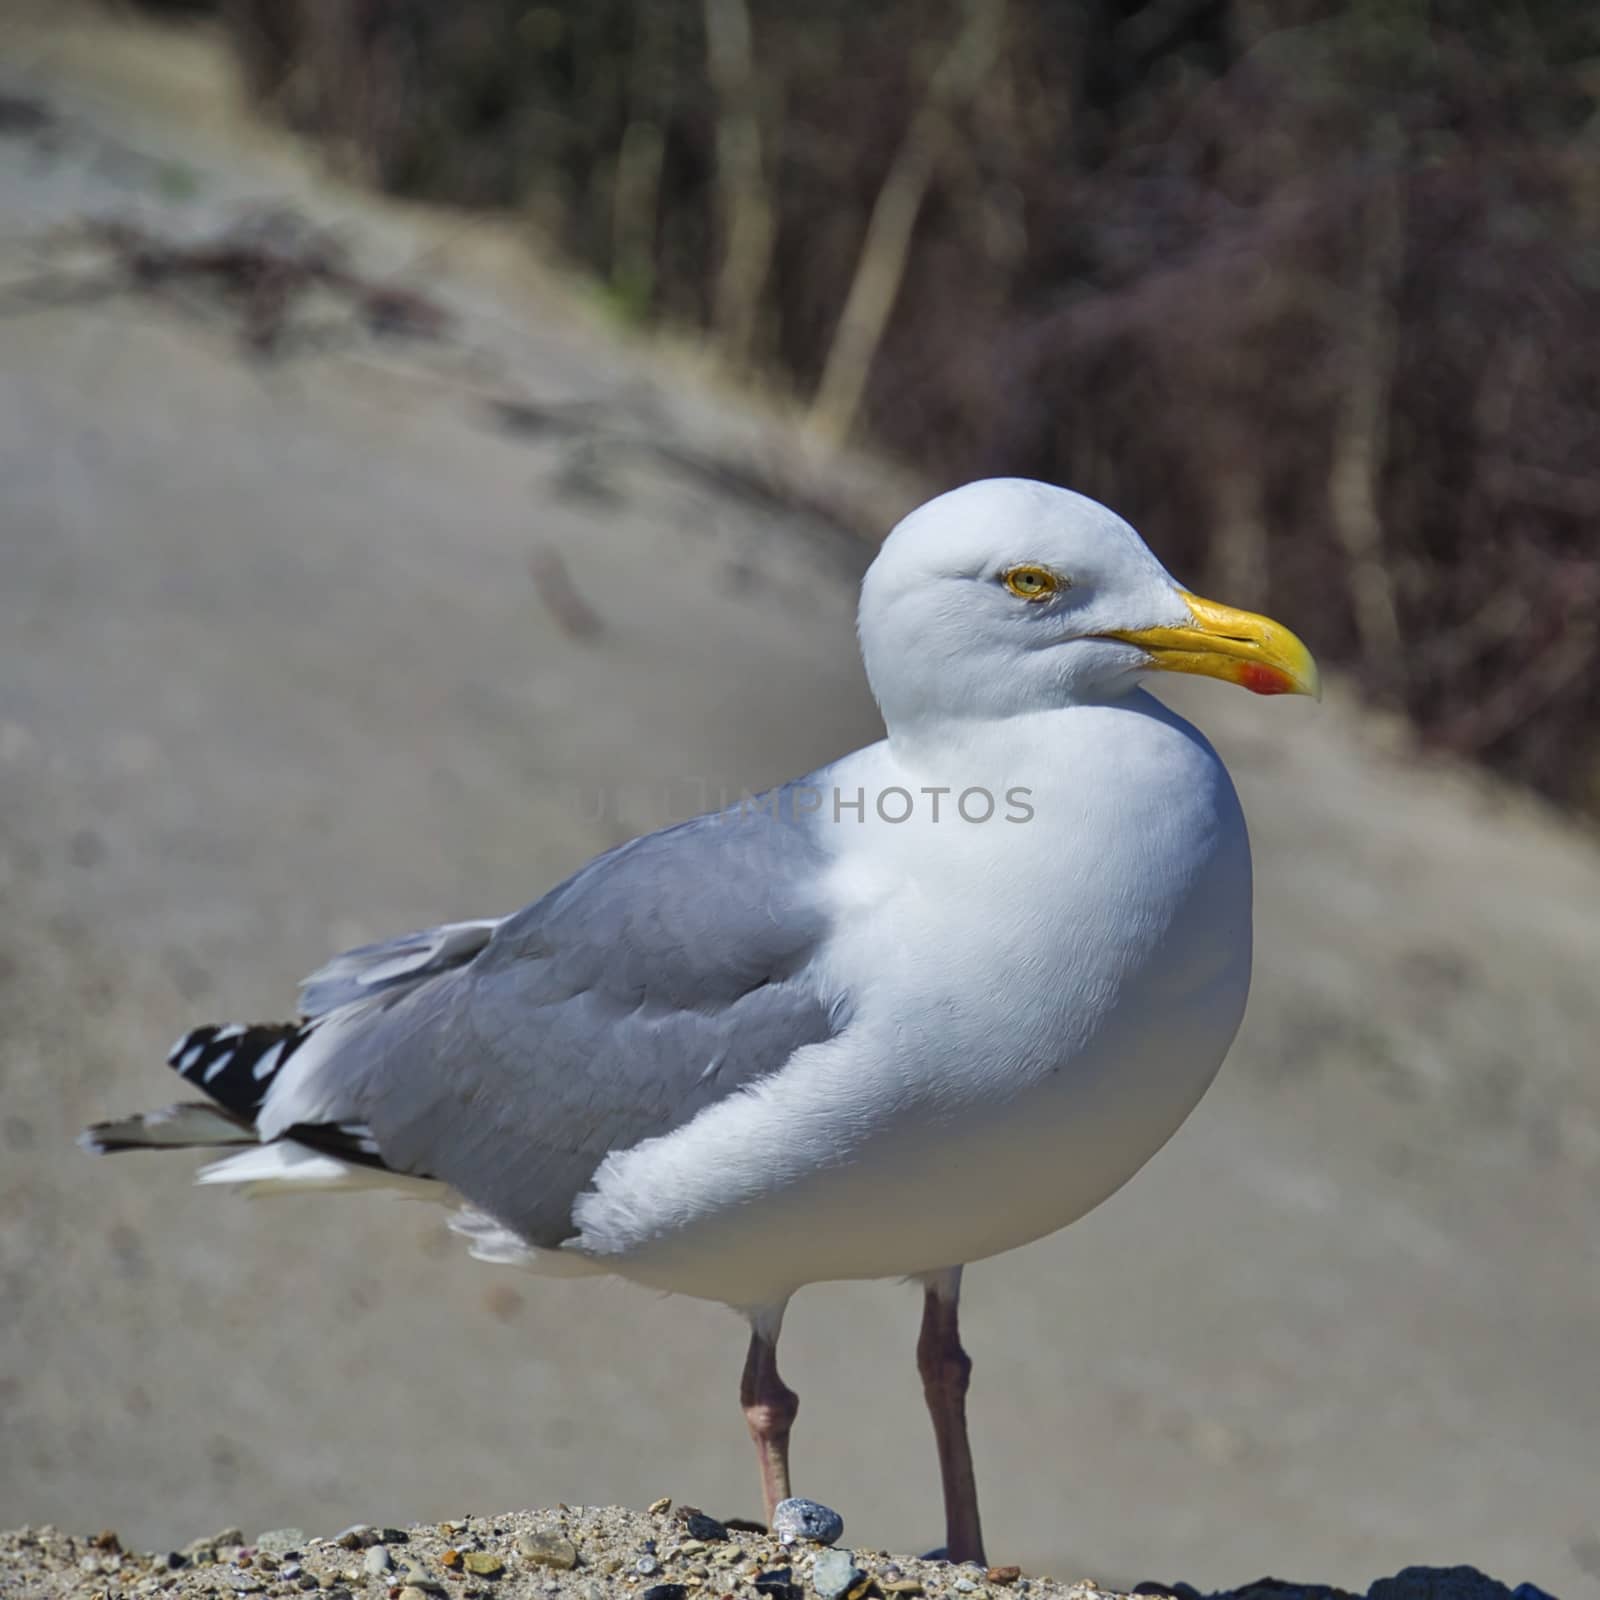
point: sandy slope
(274, 677)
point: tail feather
(193, 1123)
(286, 1166)
(307, 1137)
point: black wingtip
(237, 1064)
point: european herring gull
(931, 1002)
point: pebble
(1003, 1574)
(699, 1526)
(228, 1539)
(483, 1563)
(646, 1566)
(281, 1541)
(376, 1561)
(660, 1507)
(778, 1583)
(798, 1518)
(901, 1586)
(834, 1574)
(548, 1550)
(665, 1591)
(412, 1592)
(450, 1558)
(394, 1536)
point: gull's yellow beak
(1256, 652)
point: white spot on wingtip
(268, 1064)
(191, 1055)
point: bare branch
(748, 219)
(1361, 434)
(881, 267)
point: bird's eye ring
(1031, 583)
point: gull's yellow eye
(1031, 583)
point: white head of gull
(931, 1002)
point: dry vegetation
(1308, 288)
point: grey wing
(658, 979)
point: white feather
(285, 1167)
(488, 1240)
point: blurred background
(351, 351)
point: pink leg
(769, 1409)
(946, 1371)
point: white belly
(1044, 1008)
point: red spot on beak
(1264, 680)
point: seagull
(931, 1002)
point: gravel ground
(584, 1553)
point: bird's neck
(934, 745)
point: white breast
(1035, 1006)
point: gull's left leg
(946, 1371)
(769, 1406)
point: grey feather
(359, 974)
(660, 978)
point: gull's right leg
(769, 1406)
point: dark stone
(1438, 1583)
